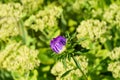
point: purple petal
(57, 44)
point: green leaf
(67, 72)
(64, 63)
(79, 67)
(78, 52)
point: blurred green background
(27, 27)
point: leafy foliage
(91, 28)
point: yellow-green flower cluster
(91, 30)
(59, 68)
(18, 58)
(9, 16)
(79, 4)
(44, 18)
(112, 15)
(90, 7)
(115, 54)
(114, 65)
(30, 6)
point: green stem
(78, 65)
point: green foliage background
(27, 26)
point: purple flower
(58, 44)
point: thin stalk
(79, 67)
